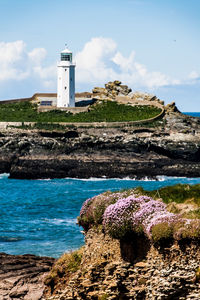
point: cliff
(106, 272)
(171, 147)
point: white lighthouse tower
(66, 80)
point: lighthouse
(66, 80)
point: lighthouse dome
(66, 50)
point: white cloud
(194, 75)
(12, 56)
(16, 63)
(99, 61)
(37, 55)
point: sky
(152, 46)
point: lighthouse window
(65, 57)
(65, 87)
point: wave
(67, 222)
(127, 178)
(4, 175)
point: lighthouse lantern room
(66, 80)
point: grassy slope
(107, 111)
(178, 193)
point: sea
(193, 114)
(40, 216)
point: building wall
(66, 85)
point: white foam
(56, 221)
(4, 175)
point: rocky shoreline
(22, 276)
(171, 149)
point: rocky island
(165, 144)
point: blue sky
(151, 45)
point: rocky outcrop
(22, 276)
(172, 148)
(111, 90)
(140, 97)
(106, 272)
(122, 93)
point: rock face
(105, 273)
(21, 276)
(172, 149)
(111, 90)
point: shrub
(159, 218)
(147, 210)
(161, 232)
(93, 209)
(124, 213)
(187, 229)
(117, 218)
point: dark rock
(112, 152)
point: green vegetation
(104, 111)
(178, 193)
(162, 231)
(67, 264)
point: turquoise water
(39, 216)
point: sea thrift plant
(121, 213)
(162, 217)
(93, 208)
(117, 218)
(142, 218)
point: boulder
(111, 90)
(171, 107)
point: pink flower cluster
(152, 213)
(136, 214)
(163, 217)
(148, 211)
(123, 212)
(117, 218)
(85, 206)
(93, 208)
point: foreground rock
(109, 271)
(21, 276)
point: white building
(66, 80)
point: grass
(105, 111)
(67, 264)
(178, 193)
